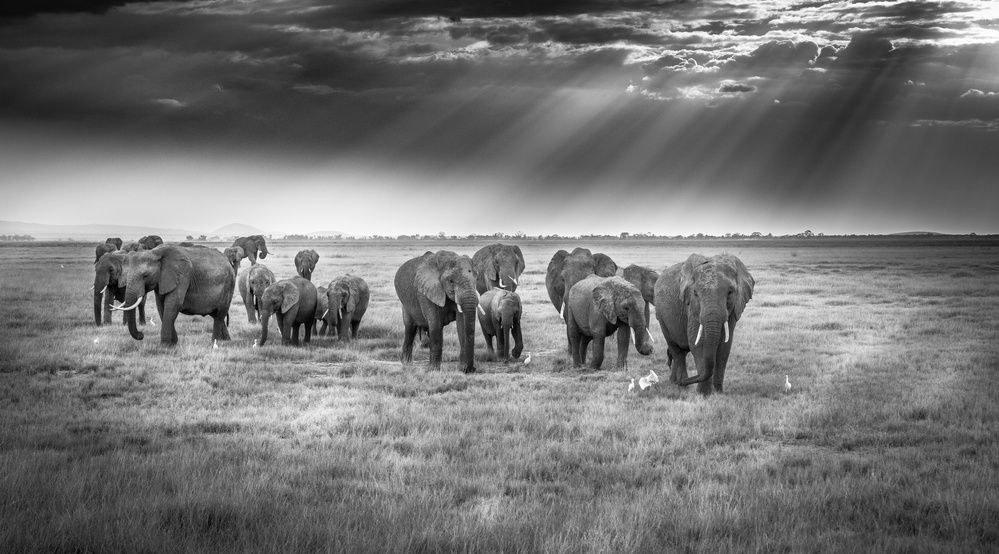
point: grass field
(887, 442)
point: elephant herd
(698, 301)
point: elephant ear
(603, 298)
(314, 256)
(686, 276)
(175, 268)
(353, 295)
(289, 298)
(428, 280)
(521, 265)
(603, 265)
(746, 283)
(553, 279)
(482, 262)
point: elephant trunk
(265, 318)
(469, 303)
(98, 305)
(641, 337)
(134, 293)
(711, 334)
(504, 340)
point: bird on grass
(215, 345)
(254, 343)
(787, 384)
(96, 340)
(527, 360)
(648, 380)
(152, 322)
(631, 385)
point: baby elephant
(347, 300)
(596, 308)
(499, 316)
(293, 301)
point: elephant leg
(409, 337)
(489, 347)
(354, 325)
(623, 338)
(678, 364)
(309, 325)
(584, 343)
(323, 331)
(598, 351)
(294, 333)
(436, 335)
(576, 343)
(168, 315)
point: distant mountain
(94, 232)
(329, 234)
(238, 230)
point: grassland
(887, 442)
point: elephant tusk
(727, 336)
(514, 280)
(132, 307)
(633, 342)
(700, 329)
(324, 313)
(650, 334)
(459, 307)
(104, 289)
(500, 283)
(339, 314)
(481, 311)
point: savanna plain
(887, 440)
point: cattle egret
(631, 385)
(62, 266)
(527, 360)
(254, 343)
(787, 384)
(152, 322)
(95, 340)
(215, 345)
(644, 383)
(652, 377)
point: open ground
(887, 440)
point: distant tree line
(16, 237)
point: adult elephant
(597, 307)
(253, 246)
(109, 286)
(644, 280)
(305, 263)
(565, 270)
(499, 316)
(189, 280)
(293, 302)
(698, 303)
(150, 241)
(497, 266)
(235, 255)
(252, 283)
(437, 289)
(133, 246)
(111, 244)
(347, 300)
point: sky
(463, 116)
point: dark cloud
(731, 87)
(25, 8)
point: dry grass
(887, 441)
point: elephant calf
(293, 301)
(347, 300)
(597, 307)
(252, 284)
(499, 316)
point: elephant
(499, 316)
(347, 299)
(192, 280)
(497, 265)
(253, 246)
(293, 301)
(597, 307)
(252, 283)
(150, 241)
(235, 255)
(565, 270)
(644, 280)
(436, 289)
(133, 247)
(698, 302)
(111, 244)
(305, 263)
(109, 286)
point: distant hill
(238, 230)
(916, 233)
(329, 234)
(94, 232)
